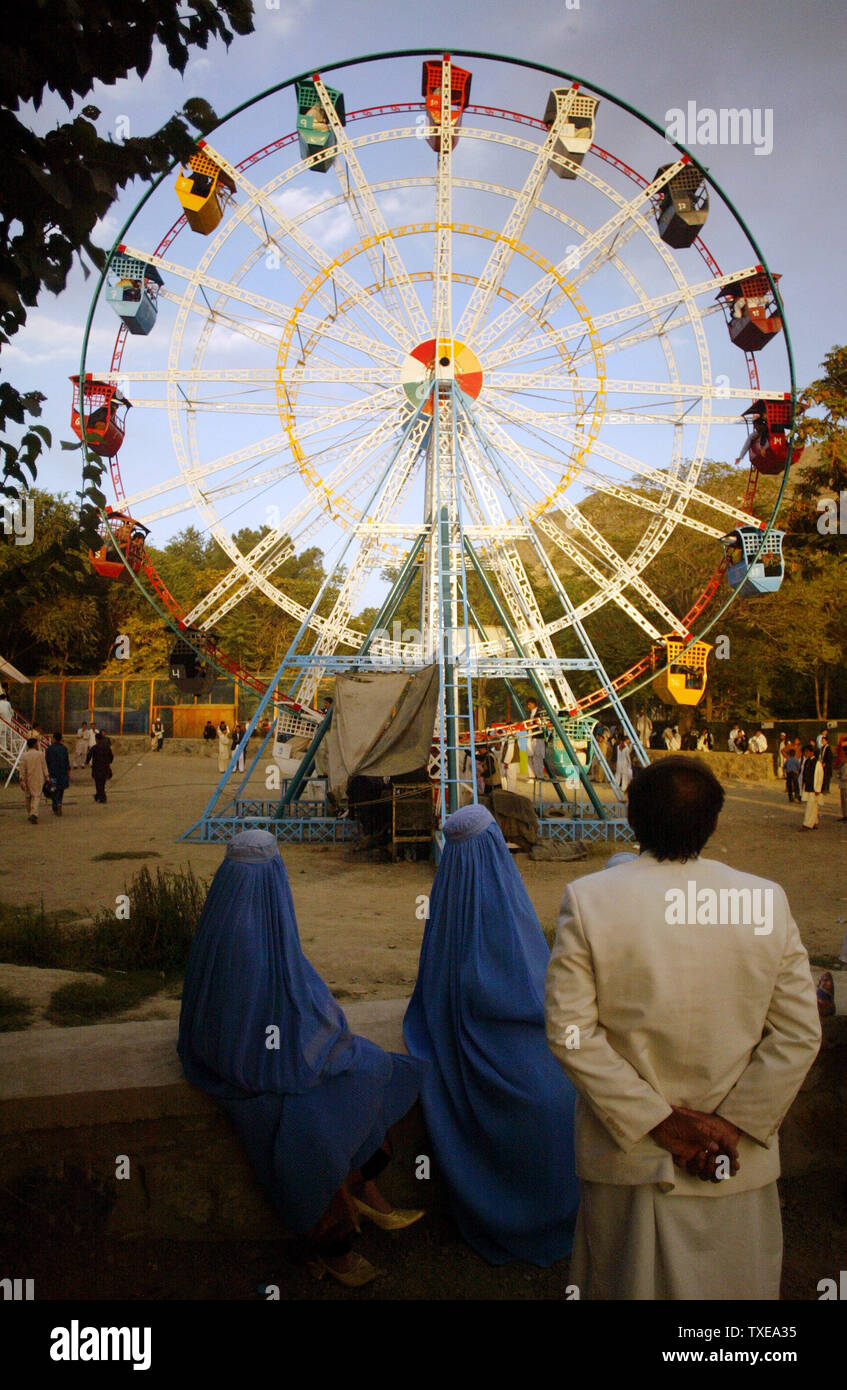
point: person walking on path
(100, 757)
(33, 773)
(157, 735)
(59, 766)
(791, 767)
(813, 787)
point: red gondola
(104, 408)
(769, 443)
(752, 311)
(460, 95)
(129, 537)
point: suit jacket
(716, 1017)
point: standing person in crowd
(781, 755)
(813, 787)
(644, 727)
(825, 755)
(693, 1042)
(224, 746)
(59, 767)
(791, 768)
(6, 711)
(209, 732)
(32, 774)
(623, 763)
(157, 734)
(101, 758)
(498, 1108)
(535, 742)
(82, 745)
(840, 767)
(798, 747)
(237, 735)
(595, 771)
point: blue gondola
(763, 577)
(132, 291)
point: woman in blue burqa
(260, 1031)
(498, 1107)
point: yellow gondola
(204, 191)
(682, 677)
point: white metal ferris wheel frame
(536, 486)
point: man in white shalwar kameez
(688, 989)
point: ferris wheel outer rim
(508, 60)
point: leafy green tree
(57, 186)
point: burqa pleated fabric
(498, 1107)
(260, 1031)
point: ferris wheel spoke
(500, 258)
(635, 499)
(647, 334)
(624, 574)
(324, 263)
(370, 222)
(508, 566)
(681, 295)
(522, 415)
(513, 312)
(278, 542)
(261, 449)
(442, 269)
(675, 390)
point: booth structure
(752, 311)
(314, 131)
(204, 190)
(132, 289)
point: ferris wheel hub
(440, 359)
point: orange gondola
(460, 95)
(752, 311)
(127, 539)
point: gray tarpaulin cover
(381, 724)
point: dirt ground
(360, 926)
(359, 919)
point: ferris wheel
(419, 334)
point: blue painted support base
(296, 830)
(588, 827)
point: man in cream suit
(681, 1005)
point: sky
(781, 59)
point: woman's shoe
(388, 1220)
(363, 1272)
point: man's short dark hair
(674, 806)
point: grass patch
(15, 1013)
(164, 908)
(126, 854)
(85, 1001)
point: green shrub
(29, 937)
(86, 1001)
(15, 1013)
(164, 909)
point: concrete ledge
(742, 767)
(99, 1128)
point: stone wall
(79, 1107)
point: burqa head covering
(498, 1107)
(260, 1031)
